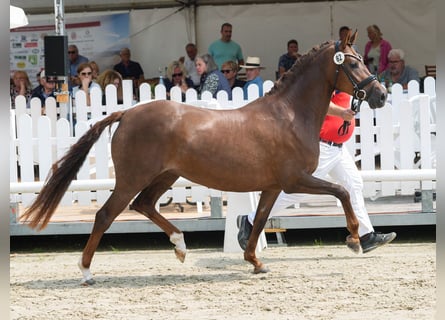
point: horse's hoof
(88, 282)
(261, 269)
(178, 240)
(180, 254)
(353, 244)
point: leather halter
(358, 94)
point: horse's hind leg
(104, 217)
(145, 203)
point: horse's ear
(345, 41)
(353, 38)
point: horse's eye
(354, 65)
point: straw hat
(252, 63)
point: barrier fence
(394, 146)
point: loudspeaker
(56, 55)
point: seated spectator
(189, 64)
(253, 68)
(110, 77)
(85, 73)
(288, 59)
(230, 71)
(75, 59)
(20, 86)
(397, 71)
(47, 89)
(177, 76)
(130, 69)
(212, 79)
(95, 68)
(39, 84)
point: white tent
(159, 29)
(17, 17)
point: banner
(98, 38)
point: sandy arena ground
(306, 282)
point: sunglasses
(86, 73)
(177, 74)
(71, 52)
(225, 71)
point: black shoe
(373, 240)
(245, 229)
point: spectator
(253, 68)
(75, 59)
(225, 48)
(212, 79)
(130, 69)
(85, 73)
(95, 68)
(110, 77)
(397, 71)
(46, 89)
(230, 71)
(189, 64)
(376, 51)
(20, 86)
(288, 59)
(335, 161)
(39, 84)
(177, 76)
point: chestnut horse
(269, 145)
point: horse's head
(352, 75)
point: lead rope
(355, 106)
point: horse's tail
(63, 172)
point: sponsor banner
(98, 38)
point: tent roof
(45, 6)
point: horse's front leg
(312, 185)
(267, 200)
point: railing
(396, 140)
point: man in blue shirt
(253, 68)
(288, 59)
(130, 69)
(45, 90)
(75, 60)
(225, 49)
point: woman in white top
(85, 73)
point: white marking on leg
(85, 272)
(178, 240)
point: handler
(335, 161)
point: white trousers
(340, 166)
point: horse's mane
(298, 68)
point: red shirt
(329, 128)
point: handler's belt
(332, 143)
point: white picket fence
(36, 141)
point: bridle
(359, 94)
